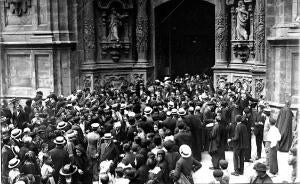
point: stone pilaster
(89, 32)
(142, 30)
(221, 34)
(260, 31)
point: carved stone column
(221, 35)
(89, 32)
(260, 31)
(142, 30)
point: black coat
(241, 138)
(60, 157)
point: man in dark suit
(240, 143)
(6, 155)
(169, 122)
(60, 157)
(183, 136)
(19, 118)
(108, 150)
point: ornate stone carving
(221, 37)
(115, 49)
(97, 82)
(87, 81)
(18, 7)
(115, 28)
(259, 86)
(221, 81)
(244, 81)
(142, 29)
(89, 34)
(243, 49)
(116, 81)
(260, 30)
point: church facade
(62, 45)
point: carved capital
(243, 49)
(259, 86)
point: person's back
(60, 158)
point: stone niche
(115, 22)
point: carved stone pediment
(106, 4)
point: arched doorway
(184, 37)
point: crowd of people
(140, 133)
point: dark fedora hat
(260, 167)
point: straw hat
(15, 133)
(148, 110)
(13, 163)
(185, 151)
(59, 140)
(68, 170)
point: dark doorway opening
(184, 37)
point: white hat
(181, 112)
(61, 125)
(59, 140)
(191, 109)
(148, 110)
(107, 136)
(26, 130)
(95, 125)
(204, 96)
(27, 139)
(15, 133)
(131, 114)
(174, 111)
(13, 163)
(185, 151)
(197, 108)
(169, 113)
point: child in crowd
(218, 177)
(293, 162)
(274, 136)
(43, 152)
(47, 170)
(226, 176)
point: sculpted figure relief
(114, 24)
(241, 21)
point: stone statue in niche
(115, 22)
(241, 21)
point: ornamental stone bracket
(243, 49)
(115, 49)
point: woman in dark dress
(83, 164)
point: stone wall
(283, 34)
(37, 42)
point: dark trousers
(238, 160)
(259, 140)
(273, 160)
(247, 152)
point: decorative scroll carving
(87, 81)
(89, 32)
(97, 82)
(259, 86)
(260, 30)
(243, 82)
(221, 37)
(116, 81)
(221, 81)
(18, 7)
(142, 29)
